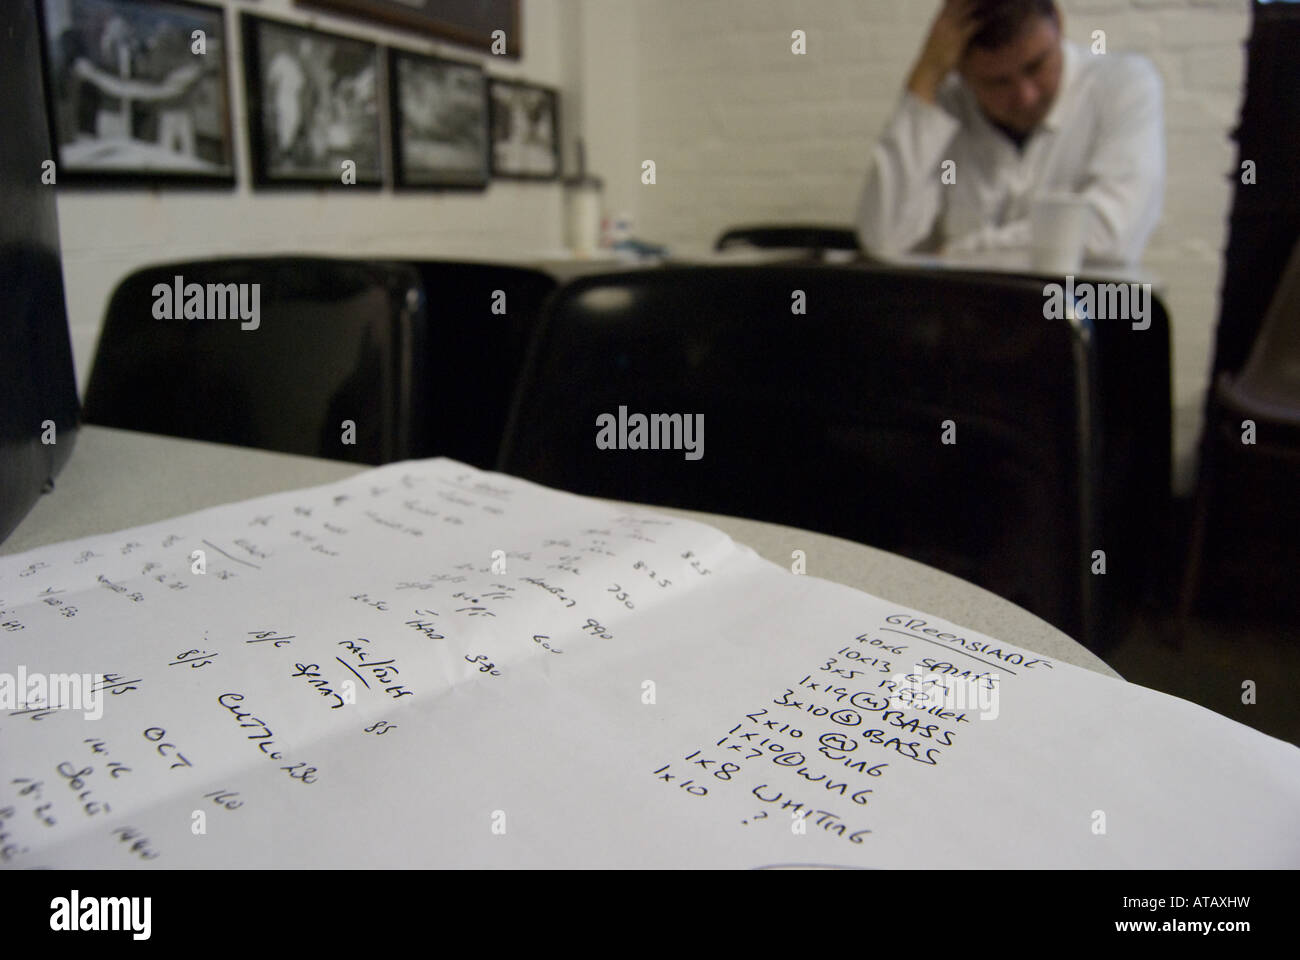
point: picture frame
(525, 120)
(466, 22)
(313, 106)
(138, 92)
(439, 122)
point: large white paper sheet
(429, 665)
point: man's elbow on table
(1127, 193)
(1114, 238)
(877, 235)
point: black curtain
(1265, 220)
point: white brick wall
(742, 131)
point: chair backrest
(1133, 444)
(835, 418)
(812, 237)
(1270, 380)
(1244, 558)
(334, 341)
(481, 318)
(38, 391)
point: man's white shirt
(1103, 140)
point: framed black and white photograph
(525, 130)
(313, 105)
(138, 90)
(472, 23)
(439, 111)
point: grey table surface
(117, 479)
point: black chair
(814, 238)
(1242, 550)
(833, 421)
(1133, 436)
(1246, 526)
(38, 391)
(476, 352)
(335, 342)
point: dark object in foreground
(38, 391)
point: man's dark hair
(1002, 20)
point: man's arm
(1125, 178)
(172, 86)
(1015, 234)
(902, 196)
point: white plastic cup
(1058, 222)
(584, 220)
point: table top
(1016, 261)
(121, 478)
(1019, 261)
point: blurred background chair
(813, 238)
(1265, 220)
(1244, 553)
(38, 391)
(833, 420)
(336, 341)
(481, 317)
(1242, 544)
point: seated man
(1025, 112)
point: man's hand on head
(949, 35)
